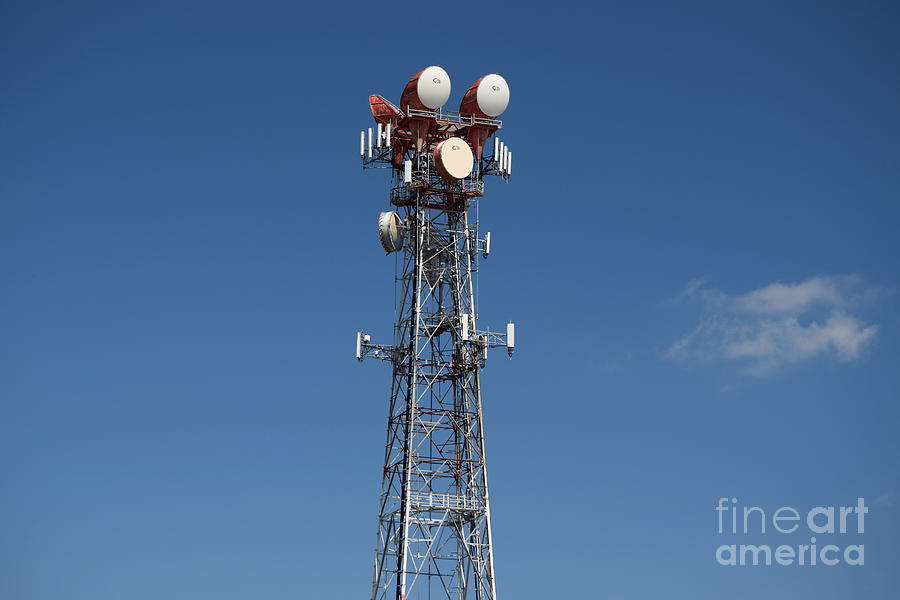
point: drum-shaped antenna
(453, 159)
(429, 89)
(390, 231)
(487, 98)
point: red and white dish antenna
(487, 98)
(428, 90)
(453, 159)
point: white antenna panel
(362, 143)
(407, 171)
(380, 134)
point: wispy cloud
(771, 326)
(886, 500)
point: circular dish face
(492, 95)
(433, 87)
(453, 158)
(389, 231)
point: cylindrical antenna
(502, 159)
(387, 136)
(362, 143)
(379, 135)
(370, 142)
(509, 164)
(496, 147)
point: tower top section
(419, 136)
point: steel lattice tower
(434, 523)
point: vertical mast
(434, 531)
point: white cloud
(780, 298)
(886, 500)
(764, 329)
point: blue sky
(698, 247)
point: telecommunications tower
(434, 521)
